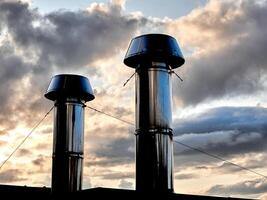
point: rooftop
(96, 193)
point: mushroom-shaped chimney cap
(69, 85)
(154, 47)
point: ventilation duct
(69, 92)
(153, 57)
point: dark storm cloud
(113, 146)
(117, 148)
(245, 119)
(233, 37)
(118, 151)
(225, 130)
(70, 39)
(241, 188)
(35, 46)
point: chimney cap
(69, 85)
(154, 47)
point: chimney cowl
(153, 56)
(69, 93)
(69, 85)
(154, 47)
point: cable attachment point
(129, 79)
(173, 72)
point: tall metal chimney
(154, 56)
(69, 92)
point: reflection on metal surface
(70, 92)
(154, 56)
(153, 98)
(69, 85)
(154, 155)
(154, 162)
(154, 47)
(68, 146)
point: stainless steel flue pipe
(69, 92)
(154, 56)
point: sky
(220, 107)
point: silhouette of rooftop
(26, 192)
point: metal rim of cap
(64, 86)
(147, 48)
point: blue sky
(154, 8)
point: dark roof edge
(39, 191)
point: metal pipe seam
(164, 131)
(154, 56)
(69, 92)
(154, 135)
(68, 145)
(70, 101)
(76, 155)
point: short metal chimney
(69, 92)
(154, 56)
